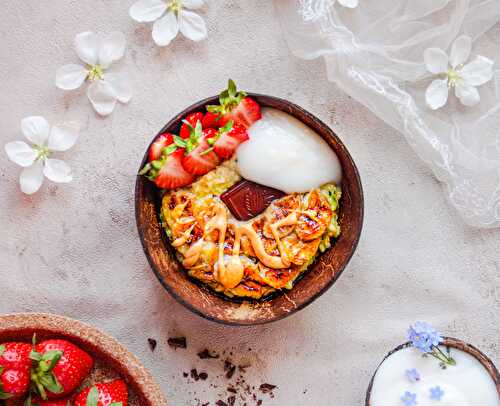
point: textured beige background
(74, 250)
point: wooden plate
(112, 360)
(316, 280)
(453, 343)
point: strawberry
(236, 106)
(200, 157)
(60, 367)
(192, 119)
(156, 147)
(210, 120)
(15, 366)
(228, 139)
(103, 394)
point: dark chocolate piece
(248, 199)
(177, 342)
(152, 343)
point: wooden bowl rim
(102, 345)
(485, 361)
(358, 185)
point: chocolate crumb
(231, 400)
(259, 402)
(185, 374)
(221, 403)
(152, 343)
(203, 376)
(231, 389)
(229, 368)
(177, 342)
(266, 387)
(194, 374)
(205, 354)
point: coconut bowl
(316, 280)
(451, 343)
(112, 360)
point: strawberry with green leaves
(104, 394)
(233, 105)
(192, 119)
(229, 137)
(15, 366)
(200, 157)
(59, 368)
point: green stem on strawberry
(228, 99)
(42, 375)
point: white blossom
(464, 78)
(170, 17)
(36, 158)
(105, 87)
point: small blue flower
(409, 399)
(412, 375)
(424, 337)
(437, 393)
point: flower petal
(165, 29)
(35, 129)
(147, 10)
(193, 4)
(57, 171)
(478, 72)
(102, 97)
(87, 47)
(436, 94)
(69, 77)
(122, 88)
(32, 178)
(20, 153)
(112, 48)
(436, 60)
(63, 137)
(192, 26)
(460, 50)
(349, 3)
(468, 95)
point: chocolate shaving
(229, 368)
(205, 354)
(231, 400)
(203, 376)
(266, 387)
(152, 344)
(194, 374)
(177, 342)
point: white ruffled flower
(464, 78)
(170, 17)
(35, 159)
(105, 88)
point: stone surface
(73, 249)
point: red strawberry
(229, 137)
(236, 106)
(61, 368)
(104, 394)
(15, 366)
(192, 119)
(161, 142)
(210, 120)
(200, 157)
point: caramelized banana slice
(314, 218)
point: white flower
(170, 17)
(105, 88)
(35, 159)
(464, 78)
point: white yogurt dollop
(286, 154)
(465, 384)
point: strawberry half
(229, 138)
(236, 106)
(15, 367)
(192, 119)
(156, 147)
(59, 368)
(210, 120)
(104, 394)
(200, 157)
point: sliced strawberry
(156, 147)
(202, 159)
(229, 137)
(211, 120)
(236, 106)
(192, 119)
(172, 174)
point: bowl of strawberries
(248, 207)
(49, 360)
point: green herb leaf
(92, 397)
(179, 142)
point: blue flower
(412, 375)
(424, 337)
(437, 393)
(409, 399)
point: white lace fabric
(375, 53)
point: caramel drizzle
(231, 274)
